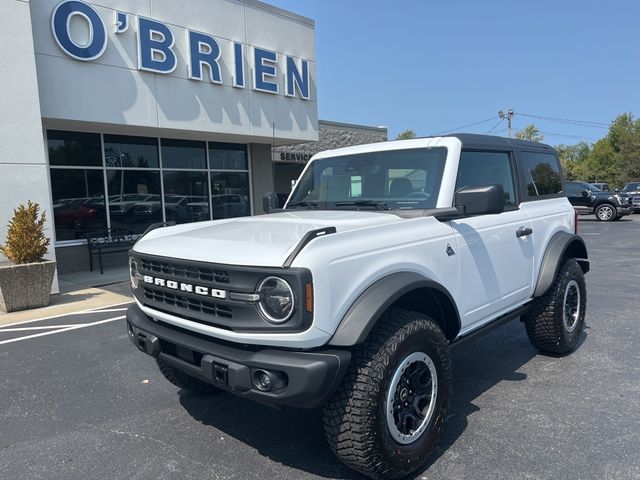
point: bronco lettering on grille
(185, 287)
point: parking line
(43, 327)
(81, 312)
(74, 327)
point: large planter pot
(25, 286)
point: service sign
(157, 54)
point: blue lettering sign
(122, 22)
(296, 79)
(238, 56)
(155, 46)
(60, 22)
(203, 50)
(264, 66)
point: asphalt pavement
(83, 403)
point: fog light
(269, 381)
(262, 380)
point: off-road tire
(184, 381)
(355, 421)
(544, 322)
(606, 212)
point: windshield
(396, 179)
(629, 187)
(591, 187)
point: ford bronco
(349, 297)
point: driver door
(495, 250)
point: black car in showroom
(588, 199)
(633, 190)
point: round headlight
(276, 299)
(133, 272)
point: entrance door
(496, 265)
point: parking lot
(78, 401)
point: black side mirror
(481, 200)
(270, 202)
(585, 193)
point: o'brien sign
(156, 51)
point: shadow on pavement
(295, 437)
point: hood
(263, 240)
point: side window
(541, 173)
(574, 189)
(487, 168)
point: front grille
(183, 271)
(203, 306)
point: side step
(498, 322)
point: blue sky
(431, 66)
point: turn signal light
(309, 297)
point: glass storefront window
(125, 151)
(193, 190)
(227, 156)
(77, 149)
(230, 194)
(78, 202)
(134, 199)
(183, 154)
(186, 196)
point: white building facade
(122, 113)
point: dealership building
(122, 113)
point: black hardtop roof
(475, 140)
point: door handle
(523, 232)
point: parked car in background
(633, 190)
(606, 206)
(602, 186)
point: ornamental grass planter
(25, 286)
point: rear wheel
(556, 320)
(184, 381)
(606, 212)
(386, 417)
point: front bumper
(625, 209)
(311, 376)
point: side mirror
(585, 193)
(481, 200)
(270, 202)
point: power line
(496, 125)
(582, 123)
(464, 126)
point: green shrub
(26, 242)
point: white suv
(350, 296)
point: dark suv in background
(587, 200)
(633, 190)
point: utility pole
(509, 115)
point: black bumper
(310, 377)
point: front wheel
(606, 213)
(386, 417)
(556, 320)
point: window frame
(523, 180)
(515, 174)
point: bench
(109, 241)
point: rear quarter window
(542, 177)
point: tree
(407, 134)
(573, 158)
(531, 133)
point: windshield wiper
(365, 203)
(303, 204)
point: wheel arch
(561, 246)
(403, 290)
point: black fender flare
(562, 244)
(371, 305)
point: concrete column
(23, 168)
(262, 173)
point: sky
(434, 66)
